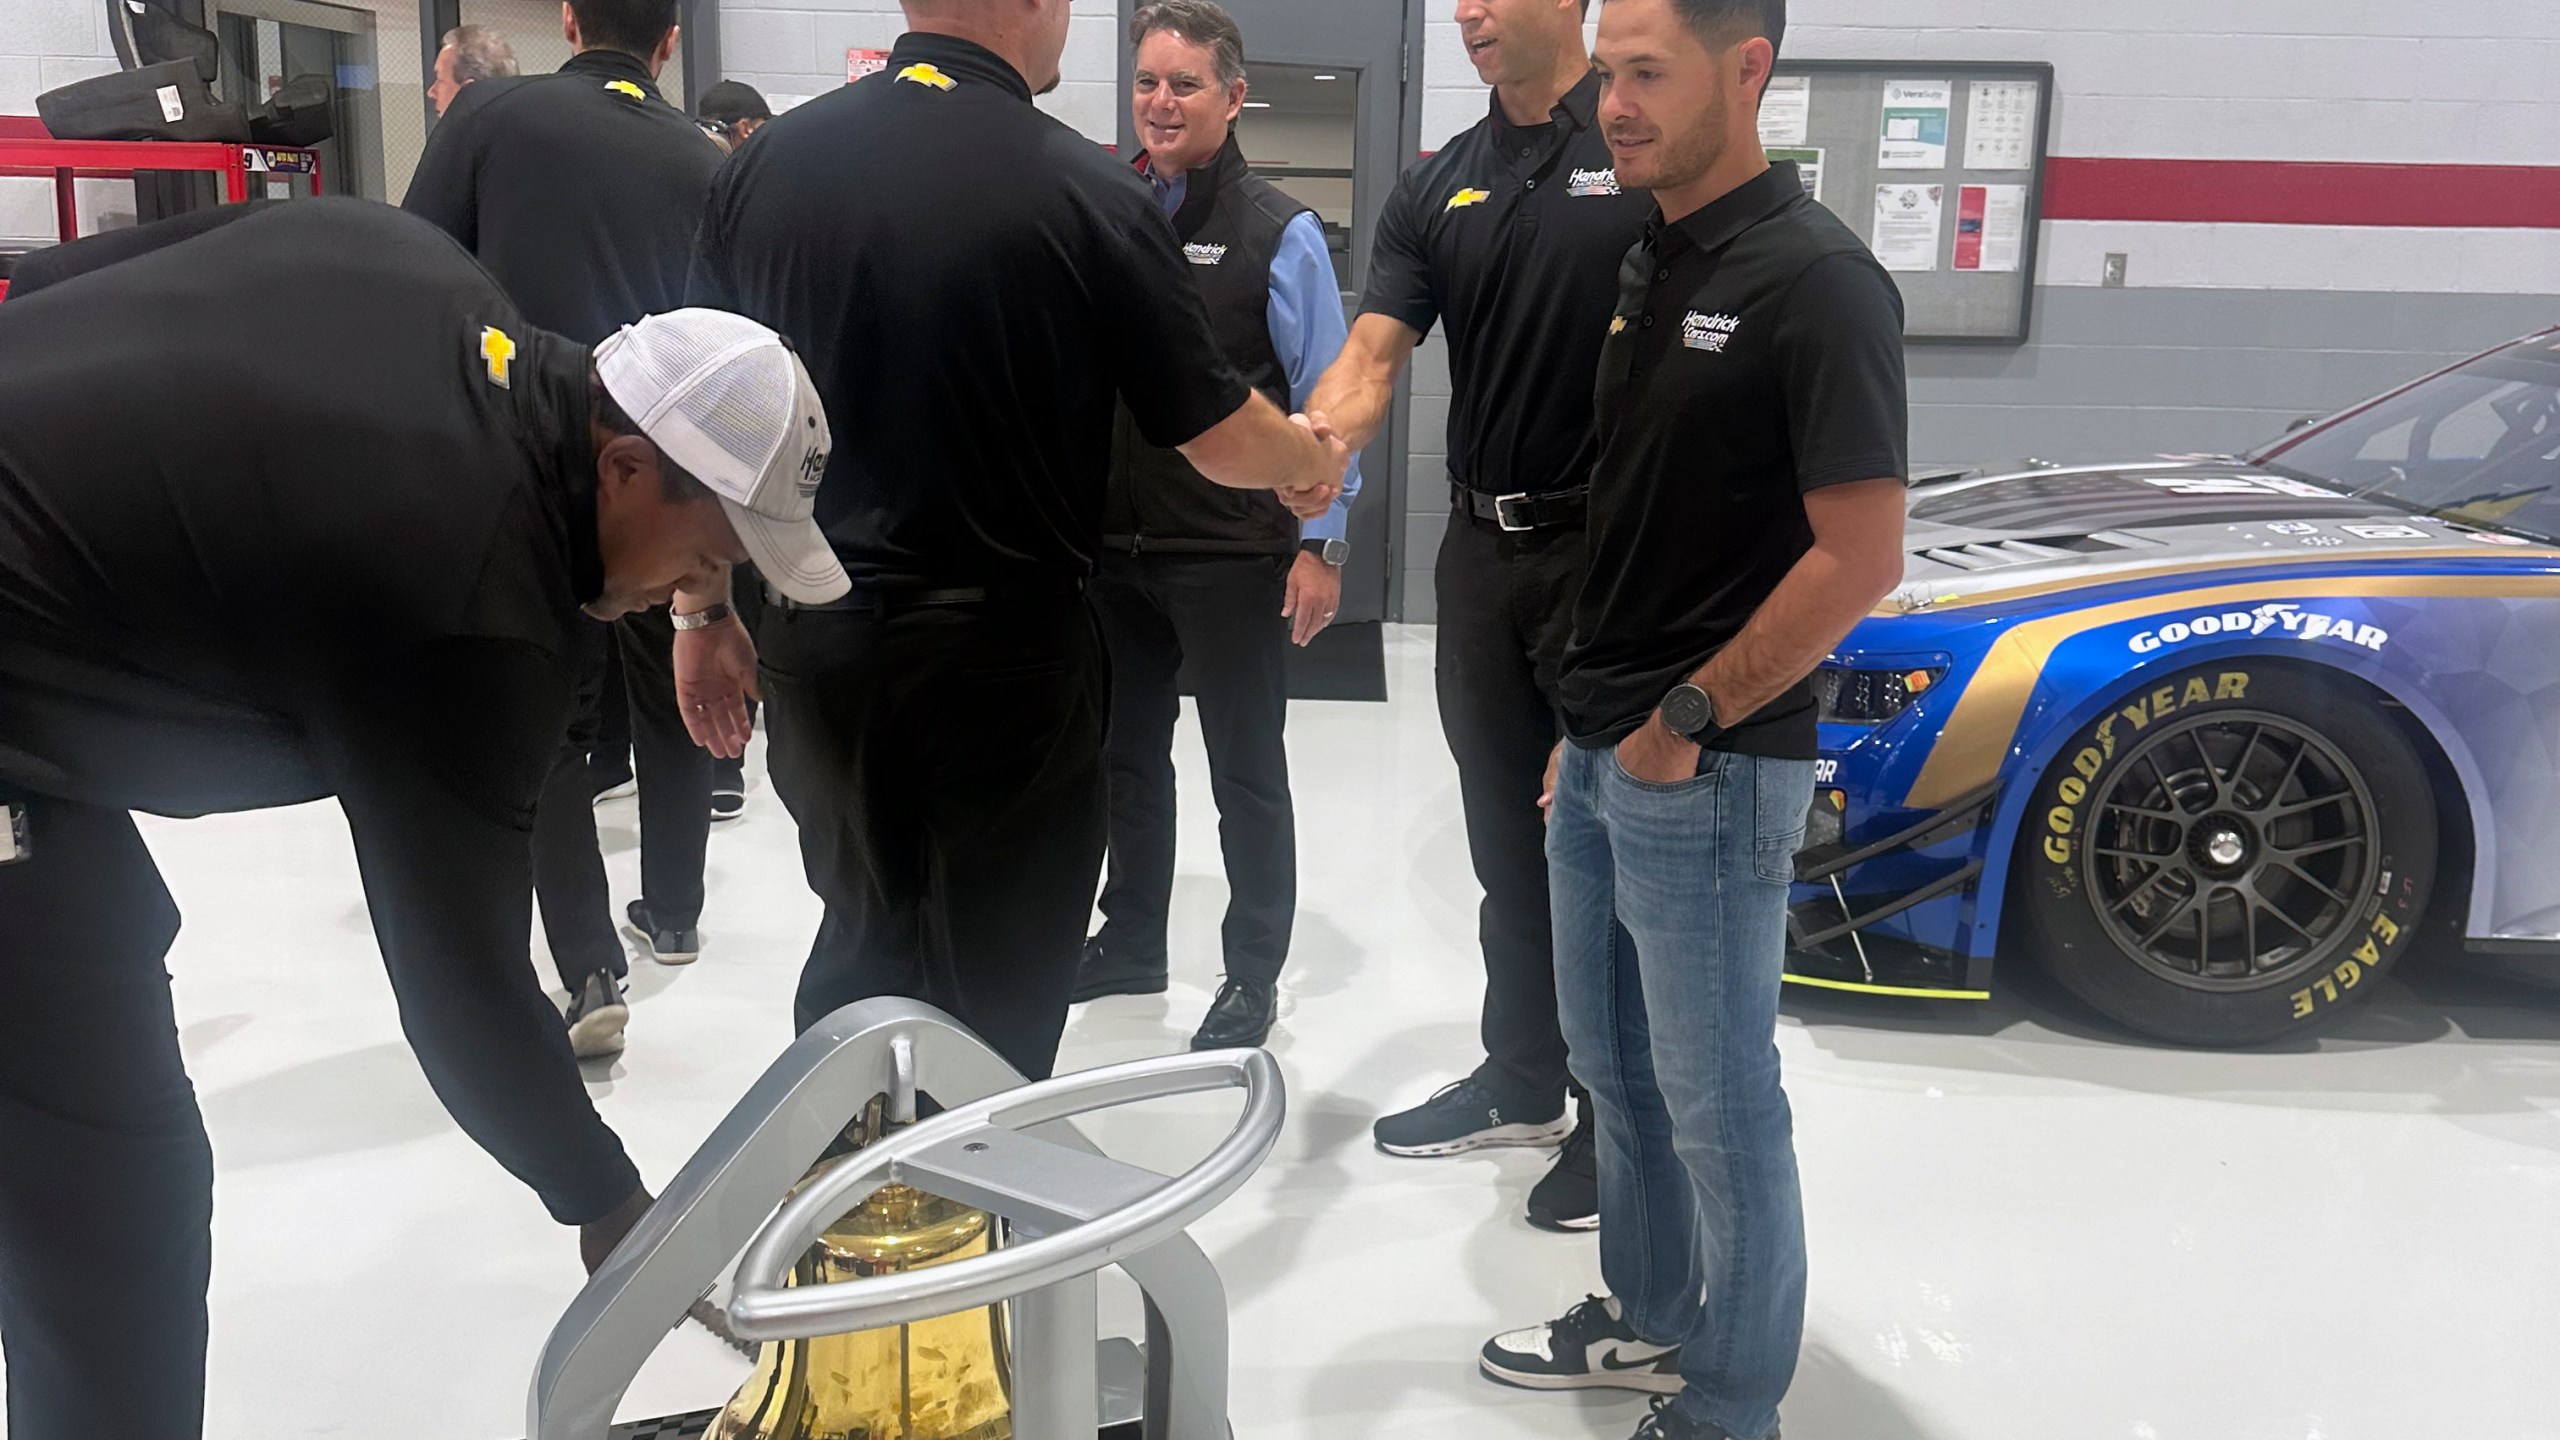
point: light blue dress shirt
(1307, 329)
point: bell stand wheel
(1033, 1167)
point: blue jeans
(1670, 914)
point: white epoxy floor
(2022, 1227)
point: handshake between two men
(1301, 458)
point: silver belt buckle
(15, 843)
(1502, 514)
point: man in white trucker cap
(328, 537)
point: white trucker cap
(725, 398)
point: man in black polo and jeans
(1511, 235)
(580, 190)
(1746, 512)
(974, 285)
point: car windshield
(2479, 444)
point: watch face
(1687, 710)
(1337, 552)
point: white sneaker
(598, 1017)
(1590, 1347)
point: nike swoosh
(1610, 1361)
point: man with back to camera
(731, 113)
(580, 190)
(1200, 576)
(938, 735)
(1746, 512)
(1511, 235)
(202, 612)
(469, 53)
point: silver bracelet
(704, 618)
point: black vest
(1230, 223)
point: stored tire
(2230, 855)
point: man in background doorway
(580, 191)
(1511, 236)
(1195, 574)
(470, 52)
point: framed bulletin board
(1939, 167)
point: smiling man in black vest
(1193, 572)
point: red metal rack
(28, 152)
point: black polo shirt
(580, 190)
(972, 284)
(298, 507)
(1756, 354)
(1512, 236)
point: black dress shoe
(1107, 972)
(1240, 1017)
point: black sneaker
(1591, 1348)
(667, 945)
(1667, 1423)
(597, 1017)
(1108, 972)
(1568, 1199)
(728, 801)
(1467, 1116)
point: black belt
(1519, 514)
(885, 597)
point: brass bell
(948, 1378)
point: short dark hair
(634, 27)
(731, 101)
(1202, 22)
(676, 484)
(1723, 22)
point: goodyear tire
(2232, 854)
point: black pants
(945, 766)
(1221, 613)
(675, 804)
(1506, 611)
(748, 589)
(106, 1178)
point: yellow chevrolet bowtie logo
(625, 87)
(928, 75)
(1617, 324)
(1465, 198)
(499, 353)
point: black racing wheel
(2229, 855)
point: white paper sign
(1786, 110)
(2000, 126)
(1907, 223)
(1915, 124)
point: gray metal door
(1323, 72)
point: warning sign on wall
(858, 63)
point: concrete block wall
(797, 48)
(45, 44)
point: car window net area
(2479, 445)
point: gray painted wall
(2108, 374)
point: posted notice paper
(1907, 220)
(1787, 110)
(2000, 126)
(1915, 124)
(1991, 227)
(1808, 166)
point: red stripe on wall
(2282, 192)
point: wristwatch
(1336, 553)
(704, 618)
(1690, 713)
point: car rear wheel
(2228, 856)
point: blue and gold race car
(2209, 737)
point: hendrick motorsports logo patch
(1465, 198)
(2292, 620)
(1205, 254)
(1710, 333)
(1594, 182)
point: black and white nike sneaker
(1591, 1348)
(598, 1015)
(1469, 1116)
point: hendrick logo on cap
(813, 468)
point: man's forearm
(1259, 448)
(1355, 403)
(693, 599)
(1793, 632)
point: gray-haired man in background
(471, 52)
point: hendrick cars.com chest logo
(2291, 621)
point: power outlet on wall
(2112, 277)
